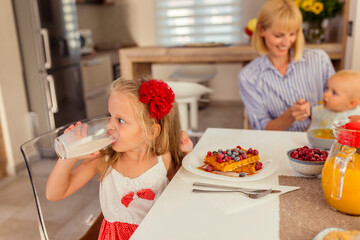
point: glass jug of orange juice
(341, 172)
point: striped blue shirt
(267, 94)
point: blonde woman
(278, 86)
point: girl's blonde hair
(169, 137)
(285, 15)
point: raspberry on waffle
(245, 162)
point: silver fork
(254, 195)
(200, 184)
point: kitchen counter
(136, 62)
(114, 54)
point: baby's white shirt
(323, 118)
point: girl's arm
(64, 179)
(186, 145)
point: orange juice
(350, 199)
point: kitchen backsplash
(108, 23)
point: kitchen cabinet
(99, 2)
(97, 77)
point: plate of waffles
(236, 164)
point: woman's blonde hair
(285, 15)
(170, 133)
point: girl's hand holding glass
(84, 139)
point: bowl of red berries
(307, 161)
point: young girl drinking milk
(138, 166)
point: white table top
(181, 214)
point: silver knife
(199, 184)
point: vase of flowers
(314, 32)
(314, 12)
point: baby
(340, 100)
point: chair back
(187, 95)
(198, 73)
(188, 90)
(67, 219)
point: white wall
(13, 106)
(224, 83)
(137, 23)
(352, 60)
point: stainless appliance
(50, 48)
(86, 41)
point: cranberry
(302, 153)
(309, 154)
(227, 158)
(209, 154)
(249, 151)
(209, 168)
(324, 153)
(258, 166)
(294, 154)
(255, 152)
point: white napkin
(229, 203)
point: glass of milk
(84, 139)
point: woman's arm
(64, 179)
(300, 111)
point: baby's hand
(301, 110)
(354, 118)
(186, 145)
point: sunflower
(297, 2)
(318, 10)
(307, 5)
(317, 7)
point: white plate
(324, 232)
(192, 161)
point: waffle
(248, 168)
(232, 165)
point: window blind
(181, 22)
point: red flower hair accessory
(159, 96)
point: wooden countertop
(136, 62)
(96, 54)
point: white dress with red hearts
(125, 201)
